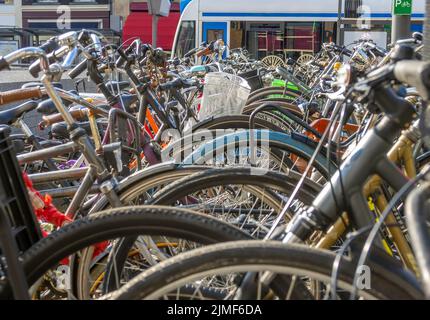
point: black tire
(273, 116)
(234, 122)
(386, 283)
(278, 144)
(283, 182)
(272, 180)
(267, 92)
(288, 106)
(145, 179)
(119, 223)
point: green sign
(402, 7)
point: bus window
(186, 38)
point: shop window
(302, 37)
(214, 34)
(186, 38)
(237, 34)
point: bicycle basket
(253, 78)
(223, 94)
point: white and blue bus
(283, 27)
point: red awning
(139, 24)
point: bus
(285, 28)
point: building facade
(47, 17)
(44, 14)
(10, 24)
(10, 13)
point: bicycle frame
(400, 153)
(77, 134)
(368, 158)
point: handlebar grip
(35, 66)
(49, 45)
(20, 94)
(203, 52)
(78, 69)
(347, 52)
(415, 74)
(77, 114)
(170, 84)
(121, 59)
(3, 64)
(378, 52)
(191, 52)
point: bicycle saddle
(312, 107)
(178, 83)
(284, 73)
(128, 100)
(11, 115)
(290, 62)
(59, 130)
(47, 107)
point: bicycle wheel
(288, 106)
(224, 264)
(139, 187)
(239, 196)
(253, 200)
(233, 122)
(276, 117)
(233, 195)
(229, 155)
(275, 151)
(155, 221)
(266, 93)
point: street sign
(402, 7)
(159, 7)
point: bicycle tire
(276, 140)
(118, 223)
(288, 106)
(283, 182)
(223, 177)
(387, 283)
(234, 122)
(266, 92)
(146, 179)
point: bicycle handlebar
(78, 69)
(24, 53)
(78, 114)
(415, 74)
(50, 45)
(53, 57)
(64, 45)
(191, 52)
(20, 94)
